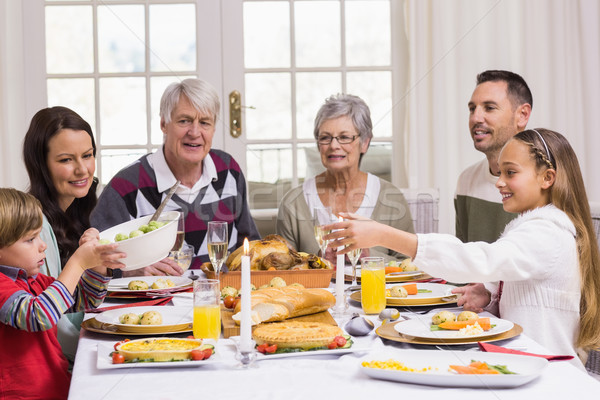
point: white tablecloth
(305, 378)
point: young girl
(31, 361)
(547, 258)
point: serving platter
(174, 319)
(526, 368)
(389, 332)
(440, 294)
(121, 285)
(420, 328)
(104, 360)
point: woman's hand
(474, 297)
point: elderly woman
(343, 131)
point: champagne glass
(217, 245)
(180, 232)
(353, 256)
(321, 216)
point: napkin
(498, 349)
(157, 302)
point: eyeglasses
(343, 139)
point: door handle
(235, 114)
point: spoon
(165, 201)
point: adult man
(212, 188)
(499, 108)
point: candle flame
(246, 246)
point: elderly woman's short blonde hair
(20, 213)
(341, 105)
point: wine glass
(180, 232)
(353, 256)
(321, 216)
(217, 245)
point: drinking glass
(180, 232)
(207, 309)
(183, 257)
(217, 245)
(372, 283)
(322, 216)
(353, 256)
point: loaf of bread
(279, 304)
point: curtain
(553, 44)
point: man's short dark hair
(518, 91)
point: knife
(165, 201)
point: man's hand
(166, 266)
(474, 297)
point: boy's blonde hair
(20, 213)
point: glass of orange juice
(207, 309)
(372, 282)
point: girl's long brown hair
(568, 194)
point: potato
(130, 319)
(408, 266)
(467, 316)
(151, 318)
(228, 291)
(443, 316)
(277, 282)
(398, 291)
(137, 285)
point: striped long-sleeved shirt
(36, 304)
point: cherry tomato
(271, 349)
(235, 301)
(197, 355)
(121, 342)
(118, 358)
(332, 345)
(229, 302)
(340, 341)
(207, 353)
(190, 337)
(261, 348)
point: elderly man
(213, 187)
(499, 108)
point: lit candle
(246, 320)
(339, 276)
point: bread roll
(279, 304)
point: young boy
(31, 361)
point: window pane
(312, 88)
(69, 39)
(271, 97)
(269, 174)
(368, 33)
(121, 44)
(266, 34)
(317, 37)
(375, 88)
(158, 84)
(123, 111)
(113, 161)
(173, 48)
(76, 94)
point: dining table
(318, 375)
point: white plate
(420, 328)
(104, 360)
(173, 318)
(120, 285)
(527, 368)
(410, 274)
(438, 290)
(326, 352)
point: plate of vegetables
(453, 368)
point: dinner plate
(174, 318)
(526, 368)
(440, 294)
(388, 331)
(121, 285)
(394, 277)
(104, 360)
(420, 328)
(93, 325)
